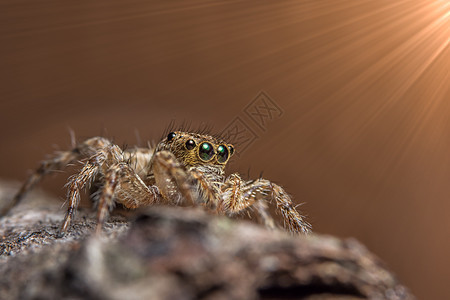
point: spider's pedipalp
(208, 189)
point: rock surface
(177, 253)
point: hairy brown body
(183, 166)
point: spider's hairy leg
(238, 195)
(171, 177)
(292, 218)
(265, 218)
(97, 162)
(123, 182)
(58, 162)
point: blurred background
(346, 103)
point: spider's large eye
(206, 151)
(222, 154)
(190, 144)
(171, 136)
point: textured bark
(178, 253)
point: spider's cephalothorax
(194, 150)
(182, 167)
(203, 156)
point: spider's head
(193, 149)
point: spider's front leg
(239, 195)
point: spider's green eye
(206, 151)
(171, 136)
(190, 144)
(222, 154)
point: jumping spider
(183, 166)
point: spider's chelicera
(184, 166)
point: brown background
(364, 86)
